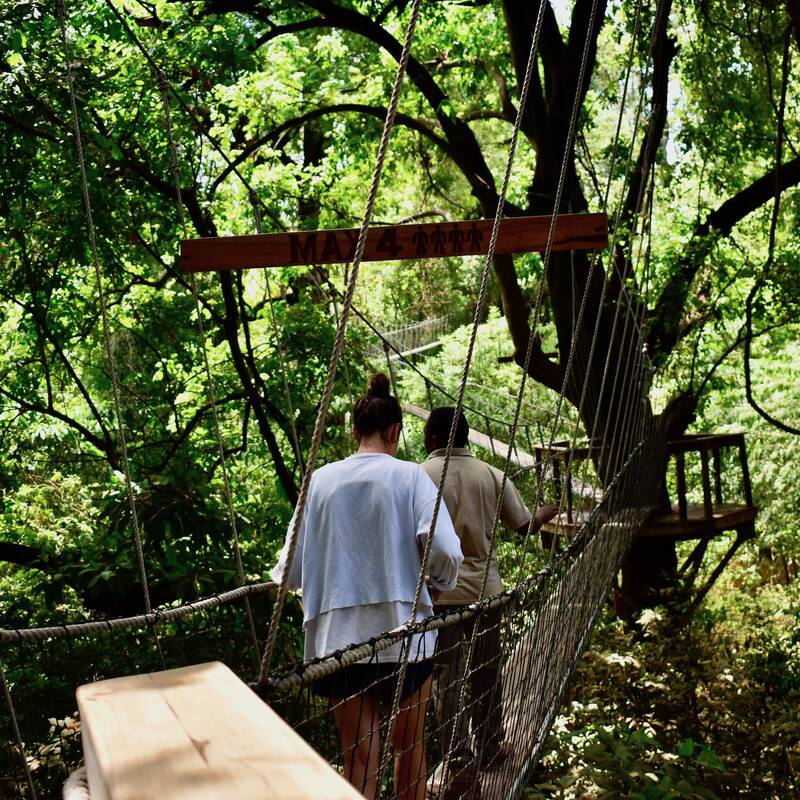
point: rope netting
(500, 665)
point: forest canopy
(276, 110)
(687, 134)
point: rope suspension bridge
(220, 739)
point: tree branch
(464, 148)
(105, 446)
(192, 423)
(516, 311)
(338, 108)
(740, 339)
(293, 27)
(794, 14)
(20, 554)
(666, 317)
(520, 20)
(24, 127)
(508, 109)
(239, 361)
(664, 52)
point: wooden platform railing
(719, 510)
(562, 459)
(708, 445)
(196, 733)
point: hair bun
(379, 386)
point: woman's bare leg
(358, 721)
(410, 767)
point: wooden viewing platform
(686, 520)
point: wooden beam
(196, 733)
(393, 242)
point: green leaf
(686, 748)
(708, 758)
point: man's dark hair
(438, 426)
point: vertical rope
(298, 453)
(462, 391)
(336, 315)
(531, 338)
(104, 314)
(659, 16)
(616, 228)
(12, 715)
(748, 383)
(319, 424)
(576, 322)
(393, 379)
(237, 551)
(470, 350)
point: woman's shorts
(380, 677)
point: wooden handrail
(704, 441)
(192, 733)
(709, 446)
(563, 452)
(680, 473)
(708, 508)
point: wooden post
(717, 475)
(741, 536)
(539, 466)
(568, 481)
(748, 491)
(393, 242)
(556, 467)
(680, 475)
(708, 509)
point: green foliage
(603, 761)
(709, 706)
(655, 728)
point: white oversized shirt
(359, 549)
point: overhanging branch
(295, 123)
(668, 311)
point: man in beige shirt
(471, 491)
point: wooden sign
(393, 242)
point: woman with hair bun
(357, 561)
